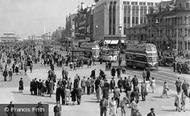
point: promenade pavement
(89, 106)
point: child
(165, 90)
(21, 85)
(153, 84)
(67, 95)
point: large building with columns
(112, 17)
(168, 29)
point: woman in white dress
(113, 107)
(153, 84)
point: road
(89, 106)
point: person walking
(120, 84)
(127, 86)
(103, 107)
(143, 91)
(93, 74)
(116, 94)
(67, 95)
(31, 66)
(73, 96)
(112, 84)
(133, 107)
(113, 107)
(148, 75)
(98, 89)
(135, 81)
(21, 85)
(185, 87)
(57, 109)
(178, 85)
(88, 86)
(51, 87)
(165, 90)
(135, 94)
(124, 105)
(25, 68)
(144, 74)
(92, 85)
(5, 74)
(58, 91)
(183, 101)
(177, 102)
(78, 95)
(105, 89)
(153, 84)
(32, 87)
(83, 85)
(118, 70)
(151, 112)
(10, 74)
(113, 71)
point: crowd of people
(112, 94)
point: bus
(108, 54)
(142, 56)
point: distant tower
(44, 30)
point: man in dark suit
(151, 112)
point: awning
(107, 42)
(122, 41)
(114, 42)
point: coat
(21, 85)
(112, 84)
(113, 71)
(57, 110)
(151, 114)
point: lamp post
(119, 47)
(177, 40)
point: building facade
(112, 17)
(70, 26)
(84, 24)
(169, 28)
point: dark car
(183, 67)
(166, 61)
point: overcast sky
(26, 17)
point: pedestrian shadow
(52, 103)
(16, 92)
(91, 101)
(169, 110)
(28, 94)
(164, 97)
(157, 96)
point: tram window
(128, 56)
(152, 59)
(140, 58)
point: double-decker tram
(142, 56)
(108, 54)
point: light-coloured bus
(142, 56)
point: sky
(30, 17)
